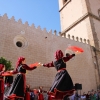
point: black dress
(19, 84)
(62, 83)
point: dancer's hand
(77, 52)
(10, 71)
(39, 64)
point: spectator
(40, 94)
(88, 96)
(45, 95)
(93, 96)
(32, 95)
(35, 94)
(73, 96)
(98, 94)
(27, 88)
(77, 97)
(83, 97)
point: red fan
(35, 64)
(6, 74)
(76, 49)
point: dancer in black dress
(18, 87)
(63, 85)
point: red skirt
(1, 89)
(27, 96)
(1, 96)
(40, 96)
(59, 94)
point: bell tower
(81, 19)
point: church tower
(81, 18)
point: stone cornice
(80, 20)
(64, 5)
(94, 16)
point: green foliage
(8, 64)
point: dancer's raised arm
(68, 57)
(28, 67)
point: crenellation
(59, 33)
(69, 36)
(77, 39)
(5, 16)
(73, 37)
(84, 40)
(50, 32)
(12, 18)
(26, 23)
(88, 41)
(55, 32)
(20, 21)
(33, 26)
(39, 28)
(81, 39)
(45, 30)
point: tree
(8, 64)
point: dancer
(63, 85)
(18, 87)
(1, 82)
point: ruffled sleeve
(28, 67)
(68, 58)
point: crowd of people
(41, 94)
(37, 94)
(91, 95)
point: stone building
(80, 24)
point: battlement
(78, 39)
(38, 28)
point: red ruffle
(1, 86)
(59, 94)
(27, 96)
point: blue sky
(38, 12)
